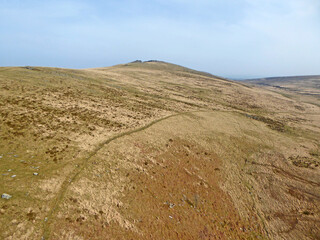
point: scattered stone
(170, 217)
(45, 219)
(13, 176)
(15, 155)
(152, 61)
(29, 68)
(0, 156)
(171, 205)
(6, 196)
(35, 173)
(9, 170)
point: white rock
(6, 196)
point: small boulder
(6, 196)
(13, 176)
(35, 173)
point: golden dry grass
(153, 151)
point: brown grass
(244, 166)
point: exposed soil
(152, 151)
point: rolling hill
(152, 150)
(307, 85)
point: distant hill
(308, 85)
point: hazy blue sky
(233, 38)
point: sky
(230, 38)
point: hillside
(307, 85)
(152, 150)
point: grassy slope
(306, 85)
(58, 121)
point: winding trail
(83, 163)
(47, 226)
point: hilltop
(153, 150)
